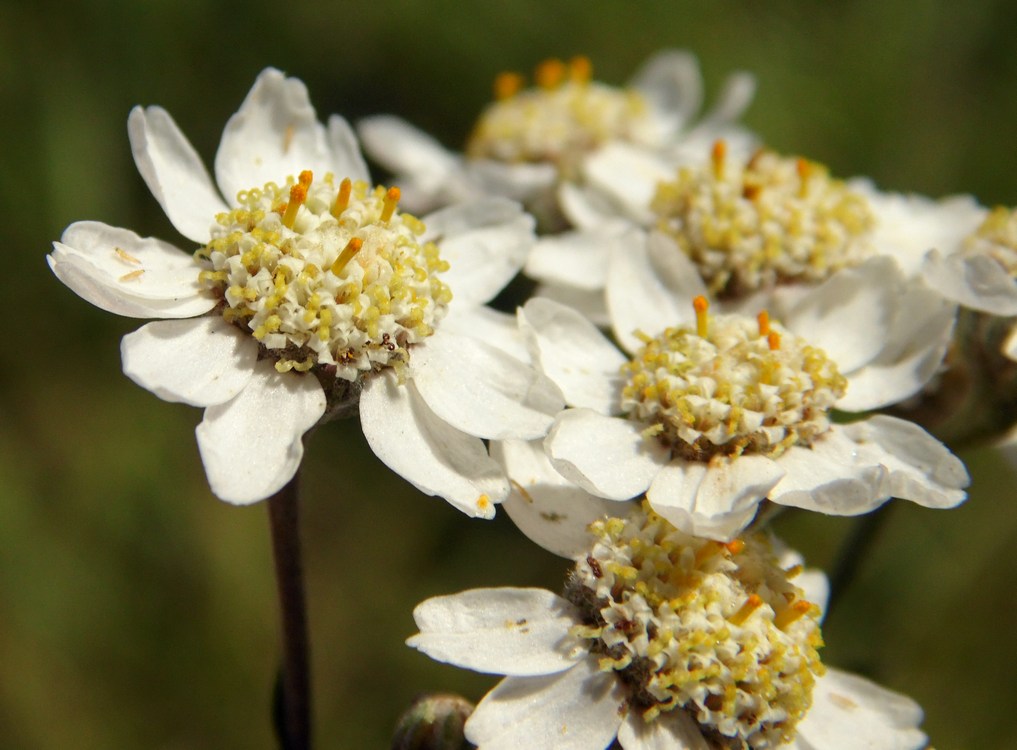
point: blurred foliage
(138, 611)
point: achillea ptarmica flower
(661, 640)
(711, 414)
(311, 295)
(531, 139)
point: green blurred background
(138, 611)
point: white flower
(311, 293)
(662, 641)
(532, 139)
(716, 413)
(758, 228)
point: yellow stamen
(298, 194)
(773, 339)
(343, 199)
(126, 257)
(717, 156)
(507, 85)
(795, 612)
(391, 199)
(701, 306)
(705, 552)
(753, 603)
(549, 74)
(580, 69)
(804, 168)
(351, 249)
(132, 275)
(764, 323)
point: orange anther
(391, 199)
(753, 603)
(701, 305)
(795, 612)
(351, 249)
(507, 85)
(549, 74)
(580, 69)
(773, 339)
(298, 194)
(717, 156)
(735, 546)
(306, 178)
(342, 200)
(764, 322)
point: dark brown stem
(293, 709)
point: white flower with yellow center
(531, 140)
(310, 296)
(758, 228)
(715, 413)
(662, 640)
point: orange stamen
(306, 178)
(804, 169)
(580, 69)
(764, 322)
(717, 156)
(549, 74)
(391, 199)
(351, 249)
(298, 194)
(342, 200)
(507, 85)
(753, 603)
(773, 339)
(795, 612)
(700, 305)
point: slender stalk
(293, 707)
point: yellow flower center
(731, 385)
(773, 220)
(325, 276)
(564, 116)
(997, 237)
(716, 630)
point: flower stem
(854, 551)
(293, 709)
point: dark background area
(138, 611)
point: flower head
(710, 414)
(661, 640)
(312, 295)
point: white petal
(574, 354)
(423, 449)
(273, 135)
(585, 207)
(736, 96)
(591, 305)
(849, 315)
(252, 446)
(123, 273)
(606, 456)
(347, 161)
(544, 505)
(483, 391)
(526, 183)
(920, 468)
(672, 82)
(675, 730)
(715, 500)
(975, 281)
(579, 709)
(637, 298)
(577, 259)
(197, 361)
(491, 326)
(628, 176)
(174, 172)
(916, 344)
(403, 149)
(508, 631)
(830, 478)
(850, 712)
(485, 243)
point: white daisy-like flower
(714, 414)
(530, 141)
(663, 640)
(980, 270)
(311, 295)
(758, 228)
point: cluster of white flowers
(718, 331)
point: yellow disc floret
(731, 385)
(997, 237)
(325, 276)
(772, 220)
(716, 630)
(563, 116)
